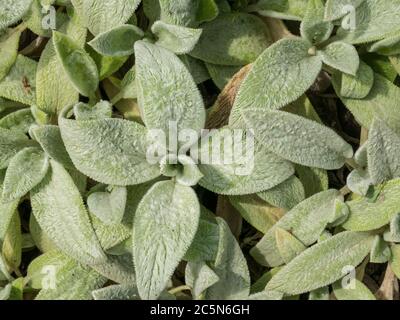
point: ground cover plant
(199, 149)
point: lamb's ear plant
(109, 188)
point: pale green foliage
(78, 65)
(109, 207)
(165, 224)
(59, 210)
(359, 292)
(273, 82)
(369, 214)
(355, 87)
(305, 221)
(313, 27)
(304, 274)
(282, 9)
(288, 246)
(380, 251)
(101, 110)
(234, 178)
(8, 50)
(49, 138)
(231, 268)
(200, 277)
(101, 15)
(12, 86)
(389, 46)
(341, 56)
(285, 195)
(383, 150)
(381, 102)
(11, 11)
(34, 165)
(73, 281)
(334, 9)
(19, 121)
(178, 39)
(166, 90)
(244, 39)
(117, 159)
(116, 292)
(375, 20)
(10, 144)
(54, 89)
(118, 41)
(298, 139)
(112, 190)
(257, 212)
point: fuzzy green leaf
(103, 15)
(288, 246)
(62, 278)
(20, 120)
(176, 97)
(231, 268)
(11, 143)
(108, 207)
(256, 212)
(34, 165)
(165, 225)
(335, 9)
(366, 215)
(49, 138)
(242, 174)
(59, 210)
(273, 82)
(313, 27)
(244, 38)
(101, 110)
(359, 292)
(199, 276)
(383, 151)
(117, 42)
(297, 139)
(178, 39)
(117, 292)
(9, 43)
(375, 20)
(381, 102)
(355, 87)
(341, 56)
(388, 47)
(11, 11)
(78, 65)
(380, 251)
(111, 151)
(285, 195)
(19, 84)
(305, 221)
(304, 274)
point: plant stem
(179, 289)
